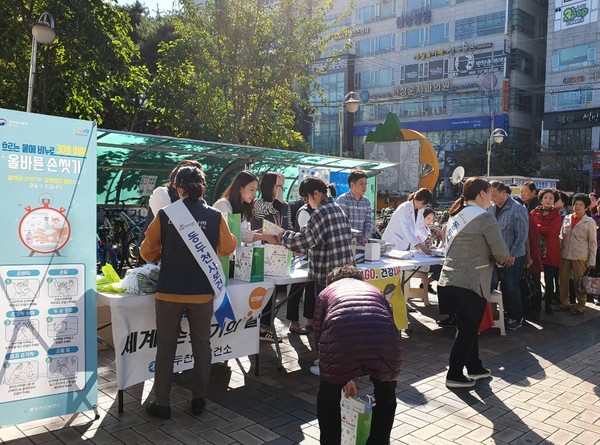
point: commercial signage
(572, 119)
(569, 14)
(436, 70)
(573, 79)
(330, 65)
(411, 73)
(467, 123)
(478, 64)
(351, 33)
(431, 87)
(47, 267)
(414, 18)
(464, 48)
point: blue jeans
(511, 291)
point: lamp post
(498, 136)
(351, 101)
(42, 32)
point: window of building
(523, 21)
(521, 61)
(414, 5)
(475, 103)
(570, 140)
(435, 105)
(571, 100)
(520, 100)
(387, 9)
(541, 69)
(366, 14)
(574, 57)
(410, 39)
(439, 33)
(438, 3)
(384, 77)
(386, 43)
(387, 77)
(483, 25)
(365, 46)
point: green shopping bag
(356, 414)
(225, 264)
(234, 221)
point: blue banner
(425, 125)
(47, 267)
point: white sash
(458, 222)
(195, 239)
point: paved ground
(545, 389)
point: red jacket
(548, 226)
(355, 333)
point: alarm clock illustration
(44, 229)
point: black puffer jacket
(355, 333)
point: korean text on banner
(134, 331)
(48, 275)
(387, 280)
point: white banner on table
(134, 332)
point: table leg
(120, 401)
(256, 363)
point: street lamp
(352, 102)
(43, 32)
(498, 136)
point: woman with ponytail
(183, 287)
(402, 228)
(473, 243)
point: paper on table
(399, 254)
(269, 228)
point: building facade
(451, 69)
(571, 131)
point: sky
(163, 5)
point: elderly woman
(548, 221)
(578, 251)
(473, 242)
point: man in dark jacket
(355, 335)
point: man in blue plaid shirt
(326, 237)
(356, 206)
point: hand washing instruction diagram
(43, 344)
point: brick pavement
(545, 390)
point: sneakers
(198, 406)
(513, 324)
(268, 336)
(162, 412)
(315, 370)
(482, 374)
(461, 382)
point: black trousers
(329, 414)
(468, 307)
(551, 283)
(293, 304)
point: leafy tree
(88, 72)
(238, 69)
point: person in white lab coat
(402, 228)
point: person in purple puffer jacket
(355, 335)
